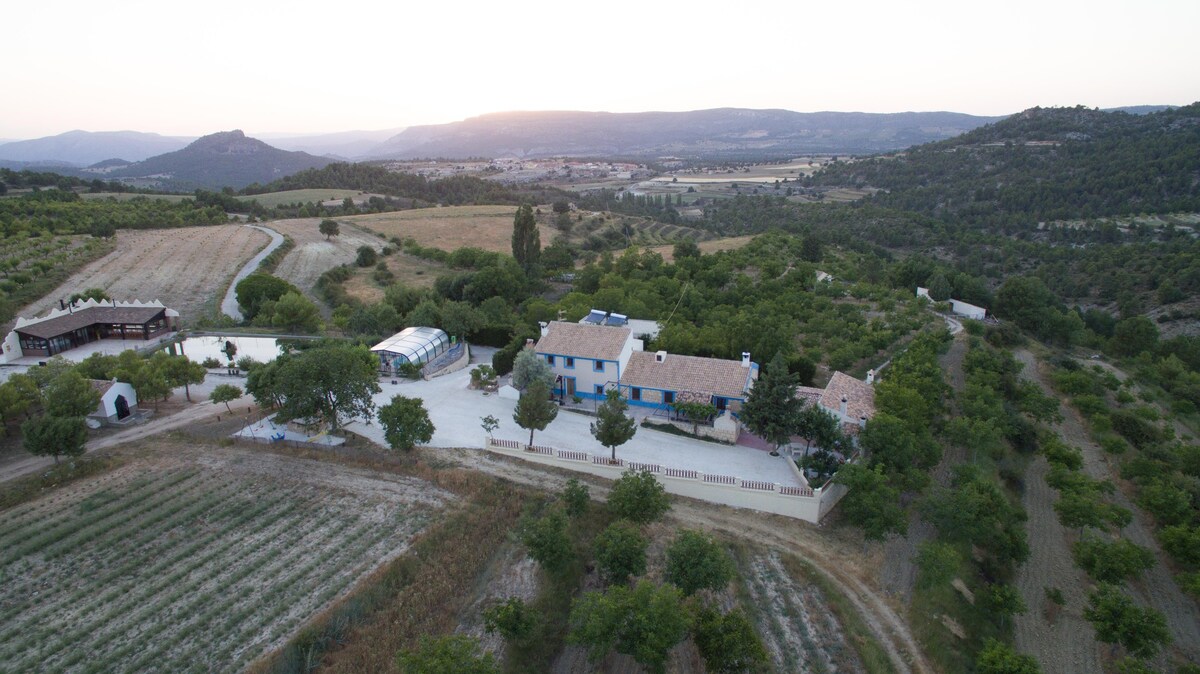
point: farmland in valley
(186, 267)
(194, 563)
(449, 228)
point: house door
(570, 381)
(122, 406)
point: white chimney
(745, 359)
(545, 327)
(660, 356)
(870, 376)
(842, 407)
(529, 343)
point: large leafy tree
(975, 511)
(451, 654)
(225, 393)
(330, 383)
(405, 422)
(535, 409)
(256, 289)
(70, 395)
(548, 541)
(528, 368)
(697, 562)
(814, 424)
(1000, 658)
(639, 497)
(54, 436)
(182, 371)
(728, 642)
(772, 408)
(621, 551)
(526, 241)
(296, 313)
(613, 427)
(644, 622)
(1118, 620)
(329, 228)
(871, 503)
(1112, 562)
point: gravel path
(229, 305)
(1051, 563)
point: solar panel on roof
(595, 317)
(616, 319)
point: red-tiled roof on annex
(597, 342)
(724, 378)
(860, 396)
(809, 394)
(81, 318)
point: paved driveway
(456, 412)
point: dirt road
(229, 305)
(1068, 646)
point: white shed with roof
(417, 345)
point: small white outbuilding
(117, 400)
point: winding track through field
(229, 305)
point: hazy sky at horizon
(181, 68)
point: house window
(569, 363)
(635, 393)
(598, 366)
(550, 360)
(599, 389)
(721, 403)
(669, 397)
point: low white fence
(802, 503)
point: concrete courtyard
(456, 412)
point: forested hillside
(1041, 165)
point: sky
(189, 68)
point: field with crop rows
(193, 565)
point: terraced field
(199, 564)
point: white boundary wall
(800, 503)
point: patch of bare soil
(835, 555)
(512, 574)
(187, 268)
(1157, 588)
(313, 255)
(796, 625)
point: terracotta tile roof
(597, 342)
(725, 378)
(860, 396)
(809, 394)
(53, 327)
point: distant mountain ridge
(83, 148)
(226, 159)
(700, 133)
